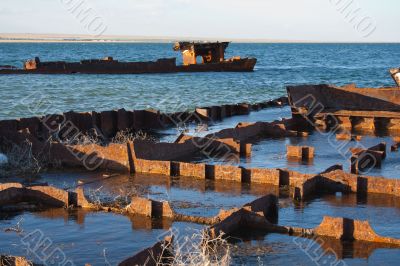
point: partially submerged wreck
(197, 57)
(348, 107)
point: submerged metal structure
(207, 52)
(347, 107)
(197, 57)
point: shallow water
(274, 249)
(328, 152)
(271, 153)
(84, 236)
(95, 238)
(278, 65)
(264, 115)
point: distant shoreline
(65, 38)
(170, 41)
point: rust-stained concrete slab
(329, 97)
(300, 152)
(350, 230)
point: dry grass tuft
(125, 136)
(22, 161)
(198, 249)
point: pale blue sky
(314, 20)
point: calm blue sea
(278, 65)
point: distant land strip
(60, 38)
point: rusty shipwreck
(365, 109)
(197, 57)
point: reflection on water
(271, 153)
(85, 235)
(372, 209)
(274, 249)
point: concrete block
(230, 143)
(365, 159)
(53, 192)
(153, 167)
(81, 200)
(337, 180)
(300, 152)
(192, 169)
(161, 209)
(42, 195)
(305, 189)
(260, 213)
(378, 185)
(140, 206)
(227, 172)
(262, 176)
(245, 149)
(150, 208)
(112, 157)
(349, 230)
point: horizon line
(86, 38)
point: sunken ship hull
(329, 98)
(238, 65)
(361, 109)
(197, 57)
(115, 67)
(104, 66)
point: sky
(302, 20)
